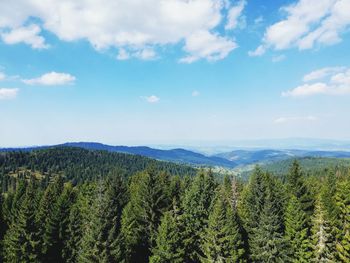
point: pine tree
(141, 216)
(21, 240)
(48, 230)
(298, 188)
(57, 225)
(343, 204)
(296, 232)
(261, 210)
(267, 241)
(321, 235)
(222, 240)
(168, 247)
(196, 204)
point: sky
(173, 71)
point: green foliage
(149, 199)
(343, 204)
(222, 239)
(321, 235)
(296, 232)
(133, 214)
(169, 246)
(21, 242)
(196, 205)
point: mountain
(246, 157)
(175, 155)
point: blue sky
(173, 71)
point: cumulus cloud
(51, 79)
(26, 34)
(308, 23)
(259, 51)
(130, 26)
(309, 118)
(204, 44)
(151, 99)
(322, 73)
(7, 94)
(336, 82)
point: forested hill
(78, 165)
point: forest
(73, 205)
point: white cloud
(7, 94)
(234, 14)
(2, 76)
(309, 118)
(26, 34)
(259, 51)
(143, 54)
(195, 93)
(151, 99)
(309, 22)
(123, 24)
(336, 83)
(322, 73)
(51, 79)
(203, 44)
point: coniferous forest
(73, 205)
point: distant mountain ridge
(230, 159)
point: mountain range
(229, 159)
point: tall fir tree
(21, 240)
(297, 187)
(321, 235)
(149, 199)
(196, 204)
(343, 204)
(222, 239)
(296, 232)
(169, 247)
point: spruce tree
(21, 240)
(297, 187)
(296, 232)
(169, 248)
(196, 204)
(321, 235)
(222, 239)
(343, 204)
(141, 216)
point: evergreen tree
(141, 216)
(321, 235)
(296, 232)
(343, 204)
(196, 204)
(222, 240)
(169, 247)
(297, 187)
(21, 240)
(267, 241)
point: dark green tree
(296, 232)
(343, 204)
(222, 239)
(196, 205)
(21, 240)
(169, 248)
(149, 199)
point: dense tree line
(78, 165)
(156, 217)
